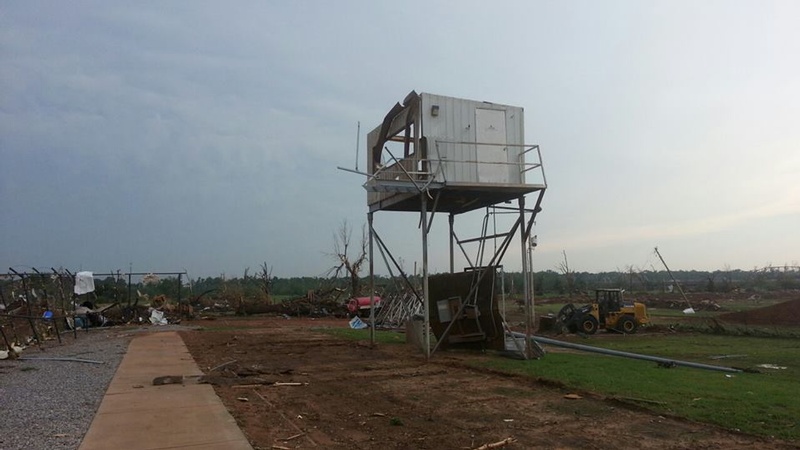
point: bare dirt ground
(786, 313)
(356, 397)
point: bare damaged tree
(266, 281)
(727, 285)
(636, 274)
(569, 275)
(350, 257)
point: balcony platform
(454, 197)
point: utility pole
(674, 280)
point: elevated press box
(471, 153)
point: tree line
(548, 282)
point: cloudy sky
(205, 135)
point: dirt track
(389, 397)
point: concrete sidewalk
(135, 415)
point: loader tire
(566, 317)
(588, 324)
(626, 325)
(565, 313)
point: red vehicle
(359, 306)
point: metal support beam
(383, 247)
(451, 220)
(463, 251)
(425, 293)
(483, 238)
(371, 284)
(523, 235)
(435, 204)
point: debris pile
(398, 308)
(705, 304)
(233, 373)
(317, 303)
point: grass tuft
(383, 337)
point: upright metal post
(533, 242)
(452, 247)
(59, 286)
(24, 290)
(28, 303)
(129, 288)
(371, 284)
(180, 286)
(525, 291)
(425, 300)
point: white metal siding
(456, 122)
(490, 128)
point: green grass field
(757, 403)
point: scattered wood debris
(222, 365)
(290, 438)
(498, 444)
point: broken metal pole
(89, 361)
(605, 351)
(673, 277)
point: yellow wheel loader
(609, 311)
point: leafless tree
(636, 274)
(727, 284)
(266, 281)
(569, 275)
(350, 256)
(711, 286)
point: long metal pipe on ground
(605, 351)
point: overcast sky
(205, 135)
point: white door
(490, 128)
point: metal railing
(434, 168)
(523, 166)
